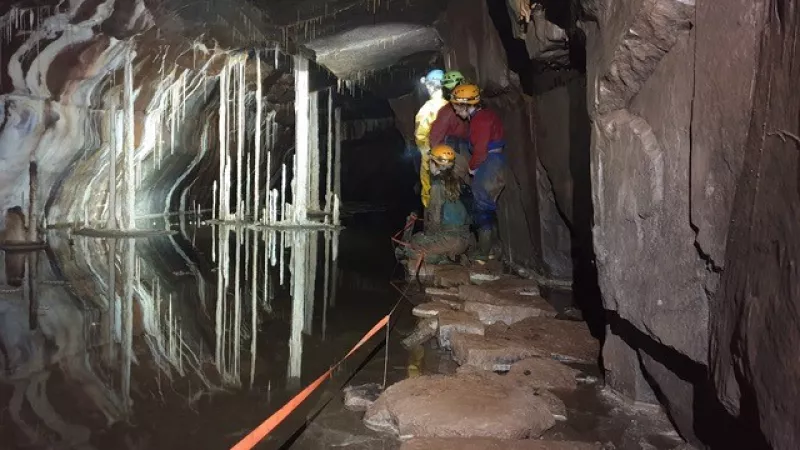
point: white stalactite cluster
(306, 165)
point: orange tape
(266, 427)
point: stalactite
(301, 105)
(240, 137)
(283, 194)
(258, 149)
(248, 186)
(130, 170)
(329, 158)
(337, 166)
(33, 176)
(112, 171)
(313, 152)
(223, 135)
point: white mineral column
(258, 147)
(130, 169)
(329, 160)
(313, 155)
(301, 129)
(337, 167)
(112, 171)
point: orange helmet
(466, 94)
(443, 155)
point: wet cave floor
(66, 382)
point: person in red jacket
(487, 163)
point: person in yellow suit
(422, 128)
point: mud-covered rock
(459, 406)
(359, 398)
(433, 308)
(504, 345)
(451, 322)
(426, 330)
(451, 276)
(495, 444)
(507, 301)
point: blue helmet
(435, 76)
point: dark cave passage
(200, 199)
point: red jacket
(485, 133)
(447, 123)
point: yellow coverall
(423, 121)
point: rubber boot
(497, 250)
(484, 244)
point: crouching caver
(447, 222)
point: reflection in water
(115, 321)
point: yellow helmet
(466, 94)
(443, 155)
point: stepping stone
(563, 340)
(533, 337)
(454, 302)
(556, 406)
(459, 406)
(451, 322)
(433, 308)
(508, 301)
(545, 373)
(494, 355)
(494, 444)
(441, 292)
(426, 330)
(359, 398)
(451, 276)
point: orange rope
(266, 427)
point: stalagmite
(258, 147)
(301, 106)
(130, 169)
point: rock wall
(755, 329)
(670, 94)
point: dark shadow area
(713, 425)
(516, 52)
(585, 287)
(535, 79)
